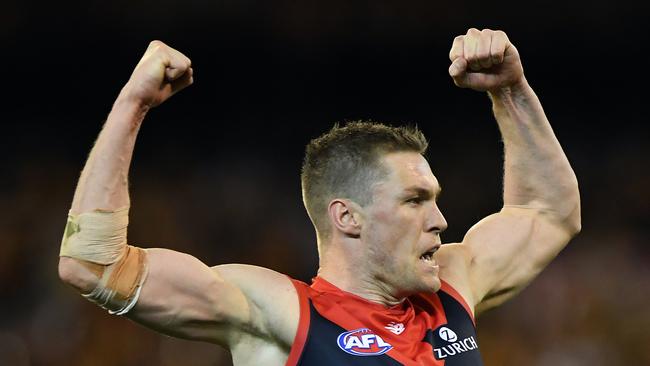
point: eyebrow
(423, 192)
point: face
(402, 226)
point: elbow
(573, 220)
(72, 272)
(67, 272)
(565, 213)
(576, 215)
(575, 224)
(567, 206)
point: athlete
(387, 292)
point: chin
(427, 284)
(431, 284)
(436, 284)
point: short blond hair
(346, 161)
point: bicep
(508, 249)
(183, 297)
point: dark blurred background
(216, 168)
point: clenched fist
(484, 60)
(161, 73)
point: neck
(351, 274)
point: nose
(436, 222)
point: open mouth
(428, 255)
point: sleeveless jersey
(340, 328)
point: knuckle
(482, 54)
(156, 46)
(469, 48)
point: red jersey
(340, 328)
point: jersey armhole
(446, 288)
(303, 323)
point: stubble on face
(396, 232)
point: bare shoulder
(272, 298)
(454, 260)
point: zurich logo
(362, 342)
(447, 334)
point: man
(387, 292)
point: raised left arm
(541, 210)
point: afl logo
(447, 334)
(362, 342)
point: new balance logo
(397, 328)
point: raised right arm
(168, 291)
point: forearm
(103, 184)
(94, 255)
(537, 172)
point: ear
(346, 217)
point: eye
(414, 200)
